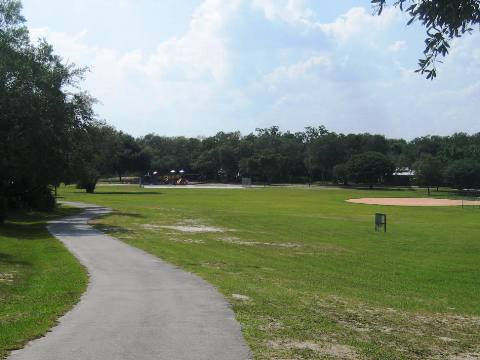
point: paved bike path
(136, 307)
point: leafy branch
(444, 20)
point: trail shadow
(24, 231)
(111, 228)
(31, 217)
(120, 193)
(127, 214)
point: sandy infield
(412, 202)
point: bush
(370, 168)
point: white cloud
(397, 46)
(357, 22)
(199, 55)
(290, 11)
(201, 52)
(299, 70)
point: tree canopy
(429, 171)
(444, 21)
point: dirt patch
(187, 241)
(186, 228)
(337, 351)
(240, 297)
(416, 335)
(215, 264)
(7, 277)
(271, 325)
(471, 356)
(413, 202)
(237, 241)
(195, 228)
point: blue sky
(195, 67)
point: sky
(196, 67)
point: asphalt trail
(136, 307)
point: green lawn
(320, 282)
(39, 279)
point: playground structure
(172, 178)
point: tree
(270, 166)
(96, 154)
(463, 174)
(326, 151)
(428, 171)
(129, 155)
(444, 21)
(39, 115)
(370, 168)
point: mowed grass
(317, 281)
(39, 279)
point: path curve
(136, 307)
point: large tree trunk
(90, 188)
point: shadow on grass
(10, 260)
(23, 231)
(127, 214)
(111, 229)
(120, 193)
(22, 225)
(379, 188)
(32, 217)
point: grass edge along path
(40, 280)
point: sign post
(380, 222)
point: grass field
(315, 281)
(39, 279)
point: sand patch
(471, 356)
(186, 228)
(195, 228)
(237, 241)
(412, 202)
(187, 241)
(7, 277)
(240, 297)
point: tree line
(315, 155)
(272, 156)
